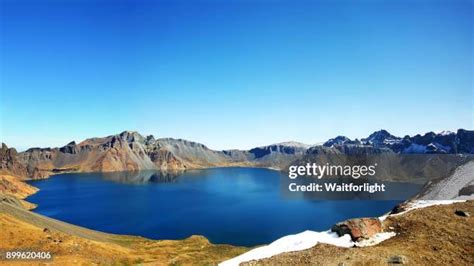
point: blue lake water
(239, 206)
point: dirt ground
(429, 236)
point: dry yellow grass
(73, 245)
(13, 186)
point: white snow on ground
(427, 203)
(446, 132)
(301, 241)
(374, 240)
(418, 204)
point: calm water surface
(240, 206)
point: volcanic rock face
(9, 162)
(165, 159)
(191, 154)
(70, 148)
(277, 156)
(126, 151)
(359, 228)
(291, 148)
(132, 151)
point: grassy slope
(14, 190)
(22, 229)
(430, 236)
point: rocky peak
(150, 139)
(70, 148)
(7, 153)
(131, 136)
(446, 133)
(339, 140)
(5, 150)
(9, 162)
(425, 139)
(381, 137)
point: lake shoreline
(209, 191)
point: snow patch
(435, 146)
(419, 204)
(305, 240)
(446, 133)
(374, 240)
(301, 241)
(383, 217)
(391, 141)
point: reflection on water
(141, 177)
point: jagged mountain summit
(381, 138)
(340, 140)
(431, 143)
(445, 142)
(130, 150)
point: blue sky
(233, 74)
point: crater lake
(238, 206)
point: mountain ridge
(130, 151)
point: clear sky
(233, 74)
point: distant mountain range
(445, 142)
(131, 151)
